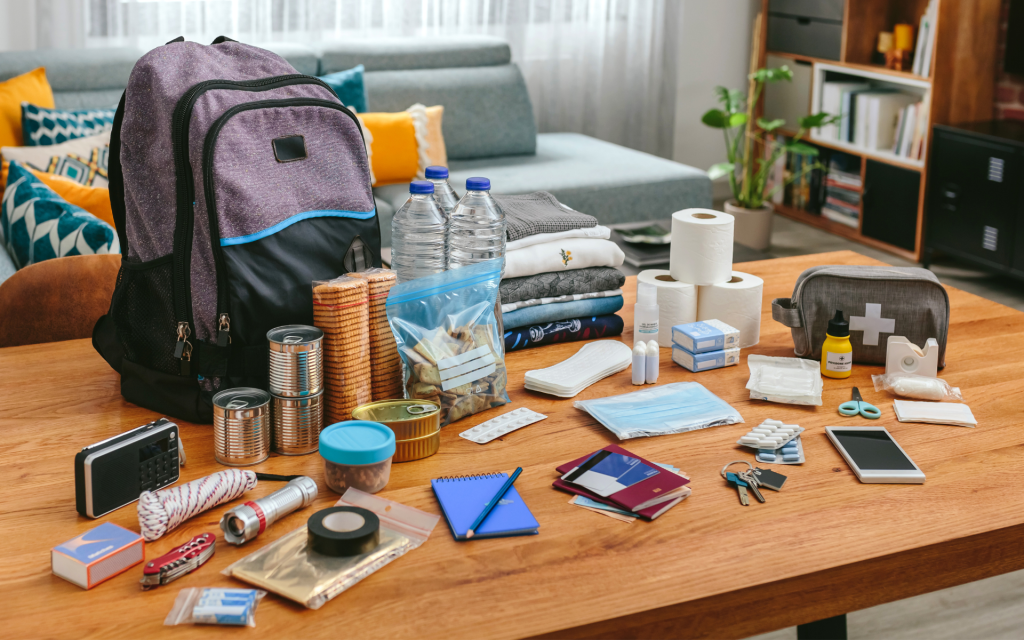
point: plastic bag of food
(290, 568)
(913, 386)
(450, 340)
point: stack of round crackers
(386, 375)
(341, 310)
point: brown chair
(55, 300)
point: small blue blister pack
(235, 607)
(790, 453)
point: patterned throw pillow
(42, 127)
(83, 160)
(36, 225)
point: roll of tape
(677, 302)
(343, 531)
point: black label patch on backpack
(290, 148)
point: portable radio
(112, 473)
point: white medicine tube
(645, 313)
(653, 353)
(639, 363)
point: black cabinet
(974, 208)
(806, 27)
(889, 204)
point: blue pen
(493, 502)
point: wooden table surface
(823, 546)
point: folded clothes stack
(561, 283)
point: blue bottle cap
(357, 442)
(436, 173)
(478, 184)
(421, 186)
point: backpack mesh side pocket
(143, 312)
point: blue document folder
(463, 499)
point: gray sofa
(488, 125)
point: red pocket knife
(185, 559)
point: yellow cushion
(95, 200)
(402, 145)
(29, 87)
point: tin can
(297, 424)
(241, 426)
(416, 424)
(296, 361)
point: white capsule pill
(749, 440)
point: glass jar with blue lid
(357, 453)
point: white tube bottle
(653, 352)
(639, 370)
(645, 313)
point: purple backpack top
(235, 182)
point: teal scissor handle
(858, 406)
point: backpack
(235, 182)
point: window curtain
(605, 68)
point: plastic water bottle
(477, 231)
(419, 233)
(444, 195)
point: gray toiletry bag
(877, 302)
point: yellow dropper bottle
(836, 351)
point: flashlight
(243, 523)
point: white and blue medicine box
(97, 555)
(705, 361)
(706, 335)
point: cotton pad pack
(784, 380)
(595, 361)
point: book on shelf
(841, 218)
(832, 104)
(925, 46)
(912, 131)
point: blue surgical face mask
(670, 408)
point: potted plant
(751, 156)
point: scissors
(857, 405)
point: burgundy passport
(647, 495)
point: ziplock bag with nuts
(449, 339)
(289, 566)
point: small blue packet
(705, 361)
(235, 607)
(706, 335)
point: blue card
(605, 473)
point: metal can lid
(295, 334)
(241, 398)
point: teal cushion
(37, 225)
(43, 127)
(349, 87)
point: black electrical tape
(327, 541)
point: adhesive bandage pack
(705, 361)
(503, 424)
(770, 435)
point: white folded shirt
(934, 412)
(562, 255)
(599, 232)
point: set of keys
(751, 480)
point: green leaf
(721, 169)
(801, 149)
(770, 125)
(817, 120)
(772, 75)
(730, 99)
(716, 118)
(737, 120)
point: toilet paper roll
(701, 251)
(677, 302)
(736, 303)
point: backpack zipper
(183, 227)
(211, 202)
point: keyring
(749, 466)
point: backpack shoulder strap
(115, 178)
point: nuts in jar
(357, 453)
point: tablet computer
(874, 456)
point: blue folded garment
(545, 313)
(568, 330)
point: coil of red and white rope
(162, 511)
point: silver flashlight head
(246, 521)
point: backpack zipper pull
(223, 330)
(183, 334)
(186, 359)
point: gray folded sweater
(540, 212)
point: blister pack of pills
(770, 435)
(503, 424)
(236, 607)
(790, 453)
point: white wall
(17, 25)
(714, 49)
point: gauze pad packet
(784, 380)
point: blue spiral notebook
(463, 498)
